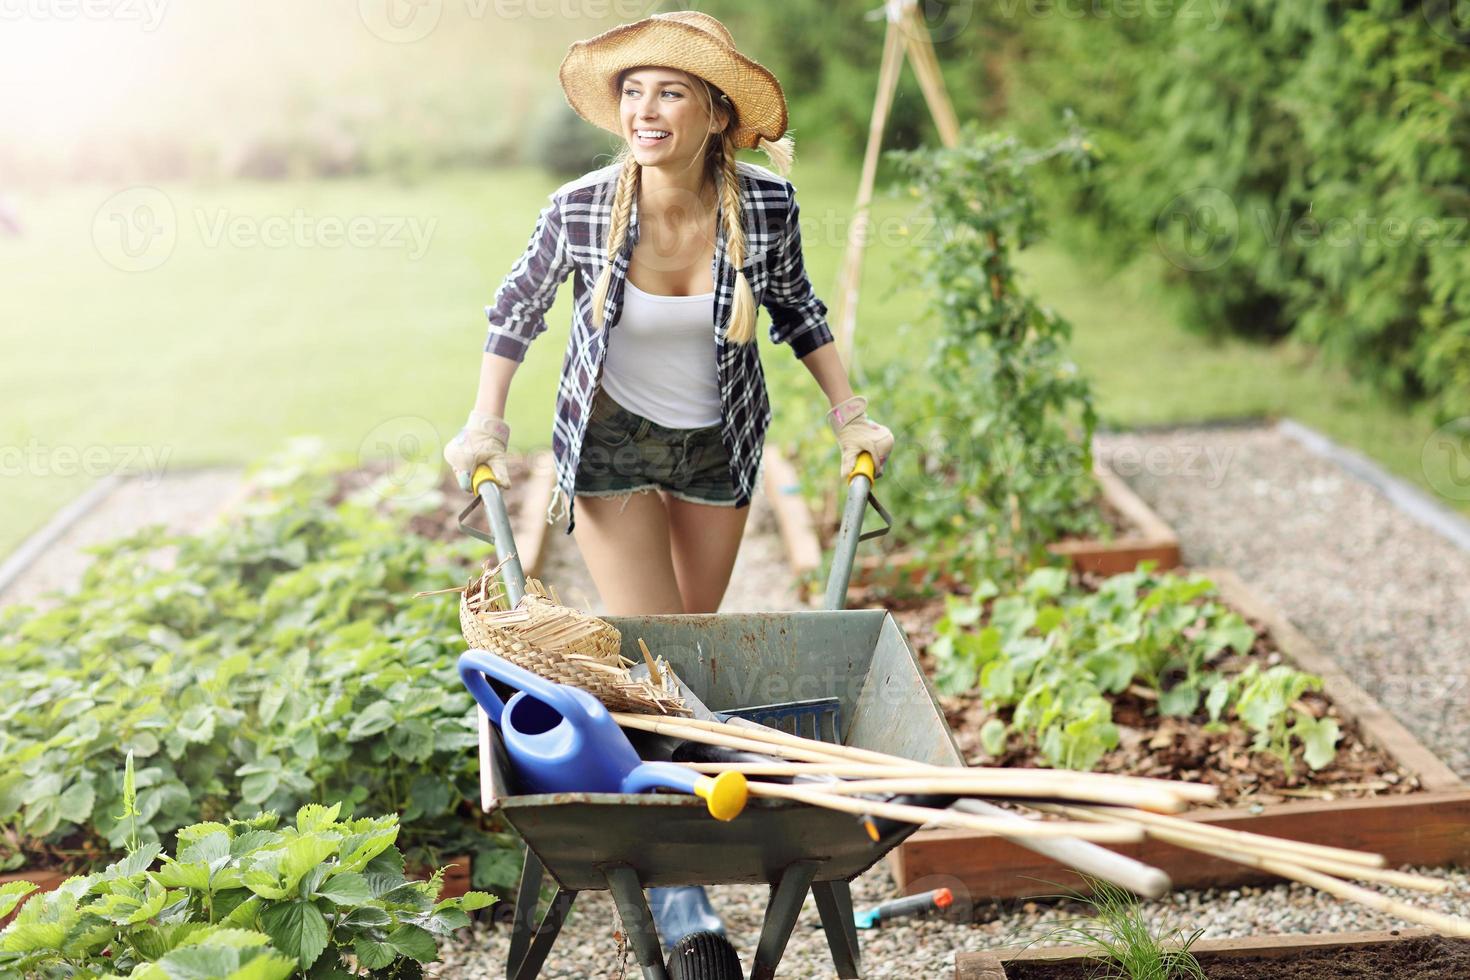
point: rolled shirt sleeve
(518, 314)
(798, 317)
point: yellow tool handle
(864, 466)
(725, 797)
(481, 474)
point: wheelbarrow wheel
(704, 956)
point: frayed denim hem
(627, 495)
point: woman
(662, 410)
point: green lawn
(228, 348)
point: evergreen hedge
(1305, 167)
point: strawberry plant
(1050, 659)
(325, 898)
(277, 661)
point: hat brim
(591, 68)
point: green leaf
(1179, 700)
(1045, 583)
(75, 805)
(297, 929)
(377, 717)
(993, 736)
(11, 893)
(414, 942)
(314, 817)
(1218, 697)
(258, 787)
(372, 954)
(346, 889)
(1319, 737)
(471, 901)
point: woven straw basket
(560, 644)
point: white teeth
(650, 133)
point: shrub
(1302, 167)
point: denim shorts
(624, 453)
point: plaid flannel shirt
(571, 236)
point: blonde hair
(719, 166)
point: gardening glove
(856, 433)
(482, 440)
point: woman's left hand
(857, 433)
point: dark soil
(1176, 748)
(1410, 959)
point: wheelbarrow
(626, 843)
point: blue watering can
(561, 739)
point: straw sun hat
(689, 41)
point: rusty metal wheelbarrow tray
(628, 842)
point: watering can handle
(475, 664)
(488, 492)
(844, 551)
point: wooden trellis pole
(906, 33)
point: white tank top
(660, 360)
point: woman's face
(664, 120)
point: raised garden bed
(1140, 534)
(1412, 808)
(1406, 955)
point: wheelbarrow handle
(844, 552)
(488, 493)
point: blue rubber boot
(681, 911)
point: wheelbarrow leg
(785, 905)
(530, 941)
(834, 902)
(637, 920)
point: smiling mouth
(648, 137)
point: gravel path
(1389, 599)
(183, 502)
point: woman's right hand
(482, 440)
